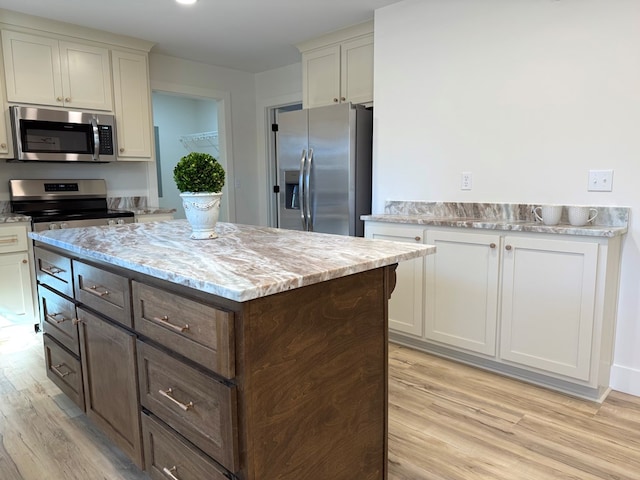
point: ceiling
(249, 35)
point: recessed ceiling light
(187, 2)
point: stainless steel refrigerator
(324, 168)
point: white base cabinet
(461, 290)
(405, 305)
(16, 284)
(539, 307)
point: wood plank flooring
(447, 422)
(453, 422)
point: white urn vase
(202, 211)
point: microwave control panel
(106, 139)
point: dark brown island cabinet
(192, 385)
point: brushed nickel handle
(508, 247)
(67, 99)
(52, 270)
(121, 150)
(58, 372)
(3, 145)
(164, 321)
(52, 318)
(169, 394)
(169, 472)
(492, 245)
(24, 260)
(11, 239)
(93, 289)
(417, 239)
(58, 99)
(335, 100)
(343, 99)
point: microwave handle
(96, 139)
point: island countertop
(243, 263)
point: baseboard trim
(625, 380)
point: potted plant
(200, 178)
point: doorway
(188, 119)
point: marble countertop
(508, 225)
(610, 221)
(152, 210)
(14, 218)
(243, 263)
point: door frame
(225, 138)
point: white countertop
(243, 263)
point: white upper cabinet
(338, 68)
(6, 142)
(46, 71)
(132, 105)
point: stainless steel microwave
(45, 135)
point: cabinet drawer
(64, 370)
(13, 239)
(167, 454)
(59, 318)
(105, 292)
(200, 408)
(199, 332)
(54, 270)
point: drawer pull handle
(417, 239)
(164, 320)
(492, 245)
(11, 239)
(93, 289)
(52, 270)
(52, 318)
(55, 368)
(169, 394)
(508, 247)
(169, 472)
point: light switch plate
(600, 181)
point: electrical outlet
(600, 181)
(465, 183)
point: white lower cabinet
(405, 305)
(16, 288)
(461, 290)
(548, 299)
(540, 307)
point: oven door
(62, 136)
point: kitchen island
(259, 355)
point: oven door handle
(96, 139)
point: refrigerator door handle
(307, 191)
(303, 212)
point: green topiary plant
(199, 172)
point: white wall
(274, 88)
(243, 179)
(528, 95)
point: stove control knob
(53, 226)
(111, 223)
(121, 221)
(64, 225)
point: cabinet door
(461, 290)
(86, 76)
(405, 305)
(32, 69)
(548, 300)
(132, 105)
(108, 357)
(16, 296)
(321, 76)
(356, 71)
(6, 142)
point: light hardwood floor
(447, 422)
